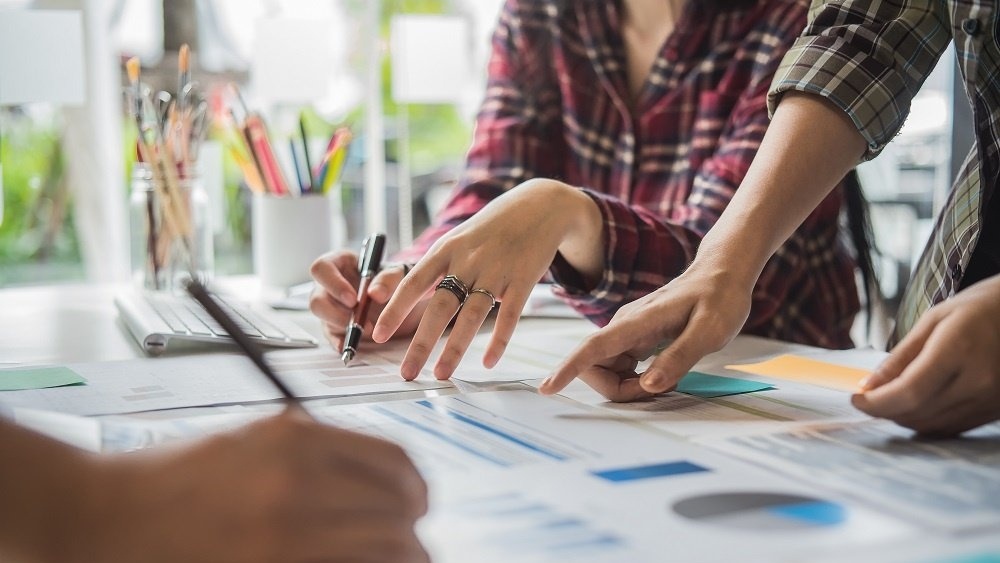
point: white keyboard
(155, 319)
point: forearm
(809, 146)
(42, 483)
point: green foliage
(438, 134)
(37, 238)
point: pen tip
(347, 356)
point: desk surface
(78, 323)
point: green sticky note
(38, 378)
(708, 386)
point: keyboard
(156, 319)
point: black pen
(249, 347)
(369, 265)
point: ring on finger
(486, 292)
(456, 286)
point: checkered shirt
(869, 57)
(662, 168)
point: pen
(371, 262)
(202, 296)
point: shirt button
(956, 272)
(971, 26)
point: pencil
(249, 347)
(305, 151)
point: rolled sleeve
(641, 253)
(867, 58)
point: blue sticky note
(708, 386)
(38, 378)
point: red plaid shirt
(558, 106)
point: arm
(703, 309)
(517, 137)
(855, 94)
(286, 488)
(518, 128)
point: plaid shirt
(870, 57)
(661, 169)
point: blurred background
(405, 75)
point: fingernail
(379, 334)
(443, 372)
(376, 290)
(348, 298)
(654, 380)
(490, 361)
(408, 370)
(546, 384)
(863, 383)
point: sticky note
(38, 378)
(707, 386)
(805, 370)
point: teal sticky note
(708, 386)
(38, 378)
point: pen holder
(289, 233)
(161, 257)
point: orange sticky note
(805, 370)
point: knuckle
(910, 398)
(420, 349)
(317, 302)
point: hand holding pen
(370, 264)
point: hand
(698, 313)
(284, 489)
(336, 295)
(943, 378)
(504, 249)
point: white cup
(289, 233)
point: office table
(691, 450)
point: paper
(708, 386)
(690, 417)
(214, 379)
(948, 484)
(542, 303)
(38, 378)
(806, 370)
(77, 431)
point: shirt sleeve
(517, 128)
(645, 250)
(869, 58)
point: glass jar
(161, 257)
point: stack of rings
(456, 286)
(461, 291)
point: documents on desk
(212, 379)
(791, 474)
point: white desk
(68, 324)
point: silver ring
(486, 292)
(456, 287)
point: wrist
(582, 245)
(724, 262)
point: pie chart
(761, 511)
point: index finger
(919, 384)
(606, 343)
(411, 289)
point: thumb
(384, 284)
(673, 363)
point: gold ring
(493, 299)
